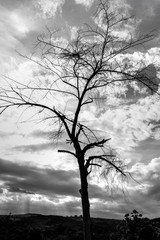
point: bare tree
(78, 70)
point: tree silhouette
(76, 71)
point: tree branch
(66, 151)
(95, 144)
(113, 165)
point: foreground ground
(40, 227)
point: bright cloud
(86, 3)
(49, 8)
(147, 172)
(19, 24)
(130, 124)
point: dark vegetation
(40, 227)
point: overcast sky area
(34, 177)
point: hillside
(42, 227)
(37, 227)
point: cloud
(156, 130)
(16, 189)
(147, 150)
(24, 184)
(18, 24)
(120, 29)
(49, 8)
(35, 147)
(86, 3)
(6, 134)
(19, 19)
(11, 5)
(148, 14)
(50, 145)
(23, 178)
(29, 179)
(40, 189)
(129, 124)
(147, 172)
(44, 134)
(8, 40)
(18, 203)
(147, 194)
(149, 76)
(143, 8)
(141, 193)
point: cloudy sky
(33, 176)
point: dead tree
(76, 70)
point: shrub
(135, 227)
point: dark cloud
(10, 4)
(32, 148)
(78, 13)
(148, 75)
(152, 180)
(154, 190)
(29, 179)
(144, 148)
(43, 134)
(55, 184)
(105, 193)
(19, 190)
(141, 8)
(50, 135)
(6, 134)
(148, 13)
(112, 211)
(49, 145)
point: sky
(34, 177)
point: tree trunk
(85, 205)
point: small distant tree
(79, 71)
